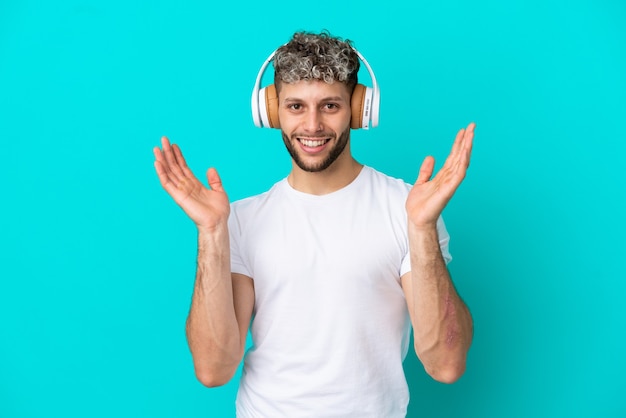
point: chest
(301, 249)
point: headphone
(365, 101)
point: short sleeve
(444, 240)
(237, 264)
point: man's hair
(309, 56)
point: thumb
(426, 170)
(214, 180)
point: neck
(341, 173)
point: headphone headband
(264, 100)
(256, 116)
(375, 92)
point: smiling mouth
(313, 143)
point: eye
(294, 106)
(331, 106)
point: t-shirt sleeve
(444, 239)
(237, 263)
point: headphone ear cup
(361, 103)
(271, 104)
(356, 103)
(268, 108)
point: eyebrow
(325, 99)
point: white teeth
(313, 143)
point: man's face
(315, 122)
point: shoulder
(252, 201)
(383, 182)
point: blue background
(97, 263)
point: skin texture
(317, 110)
(442, 323)
(222, 302)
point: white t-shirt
(330, 326)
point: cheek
(287, 126)
(342, 125)
(285, 118)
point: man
(330, 267)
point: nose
(313, 121)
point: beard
(334, 153)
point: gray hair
(309, 56)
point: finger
(458, 141)
(178, 154)
(426, 170)
(457, 170)
(164, 165)
(171, 164)
(161, 165)
(469, 140)
(457, 147)
(214, 180)
(158, 155)
(462, 145)
(165, 144)
(164, 178)
(468, 143)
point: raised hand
(207, 208)
(428, 197)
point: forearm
(213, 333)
(441, 321)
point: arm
(222, 304)
(221, 309)
(441, 321)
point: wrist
(213, 230)
(422, 228)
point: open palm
(429, 196)
(208, 208)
